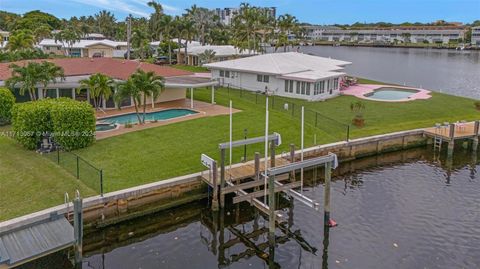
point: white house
(475, 36)
(289, 74)
(85, 48)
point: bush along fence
(338, 130)
(80, 168)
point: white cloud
(135, 7)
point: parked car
(163, 60)
(97, 55)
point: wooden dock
(455, 131)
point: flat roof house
(222, 53)
(85, 48)
(475, 36)
(289, 74)
(75, 69)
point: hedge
(71, 123)
(7, 100)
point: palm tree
(177, 28)
(42, 32)
(165, 27)
(26, 78)
(140, 42)
(50, 72)
(21, 40)
(105, 23)
(100, 87)
(188, 31)
(69, 36)
(128, 89)
(149, 84)
(155, 19)
(287, 24)
(207, 56)
(203, 18)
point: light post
(245, 132)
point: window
(227, 74)
(266, 79)
(298, 87)
(259, 78)
(286, 86)
(335, 83)
(291, 86)
(222, 73)
(303, 87)
(308, 89)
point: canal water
(449, 71)
(408, 209)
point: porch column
(40, 93)
(191, 97)
(73, 94)
(58, 93)
(88, 95)
(213, 95)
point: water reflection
(407, 209)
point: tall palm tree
(26, 78)
(140, 42)
(21, 40)
(287, 25)
(149, 84)
(128, 89)
(42, 32)
(100, 87)
(105, 23)
(204, 20)
(177, 28)
(207, 56)
(165, 27)
(69, 36)
(188, 32)
(50, 73)
(154, 19)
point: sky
(310, 11)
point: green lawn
(174, 150)
(195, 69)
(30, 182)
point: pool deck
(204, 110)
(360, 90)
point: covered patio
(191, 83)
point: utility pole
(129, 35)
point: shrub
(358, 108)
(7, 100)
(477, 105)
(71, 123)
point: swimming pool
(391, 94)
(151, 116)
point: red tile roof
(114, 68)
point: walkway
(360, 90)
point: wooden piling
(326, 203)
(78, 228)
(292, 160)
(215, 186)
(222, 177)
(257, 168)
(272, 154)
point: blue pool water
(390, 94)
(152, 116)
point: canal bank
(142, 200)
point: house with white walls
(289, 74)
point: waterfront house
(75, 69)
(222, 53)
(407, 34)
(289, 74)
(85, 48)
(475, 36)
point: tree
(188, 31)
(21, 40)
(155, 18)
(128, 89)
(69, 36)
(166, 28)
(207, 56)
(204, 20)
(100, 87)
(42, 32)
(140, 43)
(33, 19)
(287, 25)
(149, 84)
(105, 23)
(25, 78)
(50, 73)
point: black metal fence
(90, 175)
(339, 130)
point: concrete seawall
(134, 202)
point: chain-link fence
(90, 175)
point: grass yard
(174, 150)
(30, 182)
(194, 69)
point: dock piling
(222, 177)
(215, 186)
(328, 174)
(78, 228)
